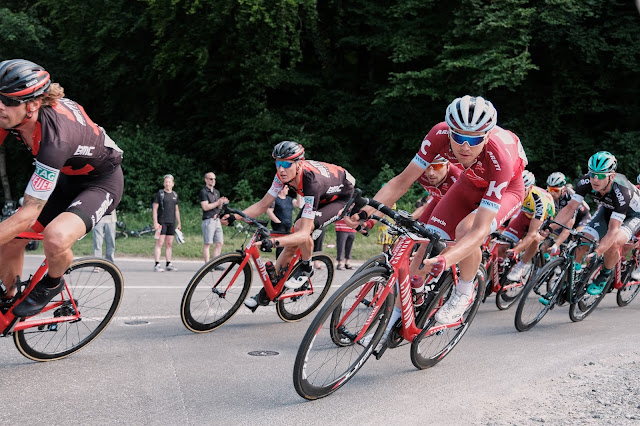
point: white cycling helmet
(557, 179)
(439, 160)
(528, 178)
(474, 114)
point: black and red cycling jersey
(67, 141)
(499, 164)
(321, 184)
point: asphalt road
(157, 372)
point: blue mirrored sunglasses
(283, 164)
(461, 139)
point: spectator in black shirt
(211, 203)
(281, 213)
(166, 219)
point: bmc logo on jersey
(334, 189)
(84, 150)
(497, 189)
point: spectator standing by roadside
(211, 202)
(345, 235)
(281, 213)
(105, 230)
(166, 219)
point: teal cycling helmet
(556, 179)
(638, 179)
(603, 162)
(528, 178)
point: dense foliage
(187, 86)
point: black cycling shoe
(37, 299)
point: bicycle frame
(492, 246)
(251, 252)
(618, 284)
(9, 323)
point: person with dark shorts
(166, 219)
(211, 202)
(77, 177)
(281, 213)
(325, 189)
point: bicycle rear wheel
(506, 297)
(377, 260)
(436, 341)
(540, 294)
(631, 288)
(585, 303)
(295, 308)
(212, 297)
(329, 354)
(96, 287)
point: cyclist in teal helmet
(617, 219)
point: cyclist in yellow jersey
(536, 207)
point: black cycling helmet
(288, 150)
(23, 80)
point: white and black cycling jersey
(622, 200)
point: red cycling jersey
(499, 164)
(437, 192)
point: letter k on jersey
(496, 189)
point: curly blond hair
(54, 93)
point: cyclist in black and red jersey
(617, 219)
(325, 189)
(489, 191)
(77, 177)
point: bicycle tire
(121, 234)
(626, 294)
(546, 285)
(323, 365)
(97, 297)
(584, 303)
(429, 348)
(295, 308)
(203, 308)
(377, 260)
(506, 298)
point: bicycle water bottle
(577, 267)
(271, 271)
(417, 288)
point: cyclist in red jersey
(77, 177)
(325, 189)
(489, 191)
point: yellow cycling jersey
(538, 204)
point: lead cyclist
(489, 191)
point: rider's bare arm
(22, 220)
(260, 207)
(567, 212)
(532, 234)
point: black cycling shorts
(88, 197)
(168, 229)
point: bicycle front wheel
(96, 286)
(329, 354)
(510, 291)
(213, 296)
(297, 307)
(540, 294)
(377, 260)
(436, 340)
(631, 288)
(586, 303)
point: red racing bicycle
(73, 319)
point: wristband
(439, 266)
(369, 224)
(276, 243)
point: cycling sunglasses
(283, 164)
(437, 166)
(555, 188)
(598, 175)
(10, 102)
(460, 139)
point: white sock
(397, 313)
(465, 287)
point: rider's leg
(59, 237)
(11, 264)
